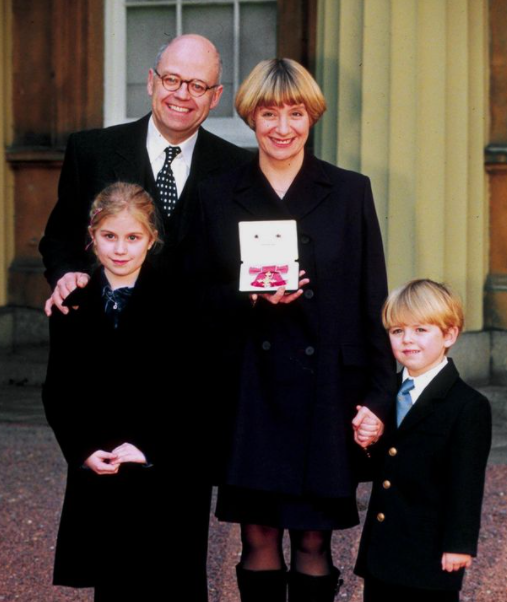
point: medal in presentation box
(269, 256)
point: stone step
(21, 404)
(497, 396)
(26, 366)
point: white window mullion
(115, 55)
(236, 46)
(123, 85)
(179, 17)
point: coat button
(309, 293)
(266, 345)
(310, 350)
(304, 239)
(386, 484)
(393, 451)
(381, 517)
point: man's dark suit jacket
(429, 487)
(96, 158)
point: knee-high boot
(307, 588)
(262, 586)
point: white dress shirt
(422, 381)
(156, 145)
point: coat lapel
(431, 397)
(145, 294)
(130, 159)
(254, 193)
(205, 162)
(309, 189)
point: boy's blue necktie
(403, 400)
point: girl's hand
(102, 462)
(128, 453)
(367, 427)
(455, 562)
(279, 296)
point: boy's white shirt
(422, 381)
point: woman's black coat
(102, 389)
(304, 366)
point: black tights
(262, 550)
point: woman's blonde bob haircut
(423, 302)
(276, 82)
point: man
(184, 87)
(135, 152)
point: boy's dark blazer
(96, 158)
(427, 495)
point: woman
(307, 359)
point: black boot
(307, 588)
(262, 586)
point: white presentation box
(269, 256)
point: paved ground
(31, 489)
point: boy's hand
(368, 428)
(454, 562)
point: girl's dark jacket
(103, 388)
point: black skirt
(254, 507)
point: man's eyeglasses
(196, 87)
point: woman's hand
(454, 562)
(368, 428)
(279, 296)
(102, 462)
(128, 453)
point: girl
(103, 407)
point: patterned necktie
(166, 183)
(403, 400)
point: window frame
(115, 77)
(296, 38)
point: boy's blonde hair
(423, 301)
(275, 82)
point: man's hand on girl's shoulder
(67, 283)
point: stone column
(406, 85)
(6, 199)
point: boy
(423, 519)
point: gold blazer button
(386, 484)
(380, 517)
(393, 451)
